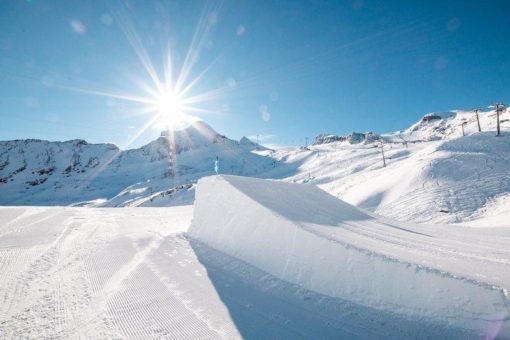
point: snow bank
(303, 235)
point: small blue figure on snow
(216, 167)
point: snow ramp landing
(450, 276)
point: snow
(352, 138)
(435, 177)
(35, 172)
(85, 272)
(433, 174)
(451, 277)
(145, 195)
(276, 257)
(496, 213)
(456, 176)
(133, 273)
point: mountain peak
(193, 136)
(246, 141)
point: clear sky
(285, 70)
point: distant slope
(433, 173)
(455, 178)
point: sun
(170, 111)
(169, 104)
(172, 95)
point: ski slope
(282, 261)
(132, 273)
(450, 277)
(445, 181)
(93, 273)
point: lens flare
(171, 98)
(169, 104)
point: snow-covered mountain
(249, 248)
(433, 173)
(448, 125)
(37, 172)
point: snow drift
(303, 235)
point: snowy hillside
(282, 261)
(36, 172)
(433, 173)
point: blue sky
(287, 69)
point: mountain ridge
(420, 163)
(34, 171)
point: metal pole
(382, 152)
(497, 115)
(478, 120)
(499, 107)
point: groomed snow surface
(450, 277)
(262, 259)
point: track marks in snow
(177, 266)
(102, 265)
(146, 308)
(105, 273)
(27, 220)
(46, 293)
(138, 295)
(130, 273)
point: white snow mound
(456, 277)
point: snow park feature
(449, 277)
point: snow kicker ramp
(454, 277)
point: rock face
(352, 138)
(433, 126)
(430, 117)
(59, 173)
